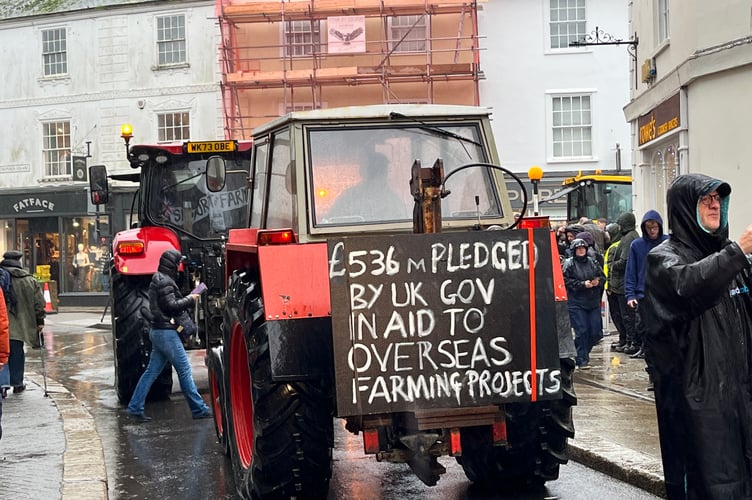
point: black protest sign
(442, 320)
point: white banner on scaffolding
(347, 34)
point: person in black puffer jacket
(165, 303)
(584, 280)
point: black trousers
(617, 316)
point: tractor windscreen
(599, 199)
(361, 174)
(179, 198)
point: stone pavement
(616, 430)
(50, 447)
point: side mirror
(98, 188)
(215, 173)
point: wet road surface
(175, 457)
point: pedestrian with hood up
(617, 269)
(166, 303)
(583, 278)
(592, 248)
(634, 278)
(25, 316)
(614, 234)
(571, 231)
(593, 253)
(698, 313)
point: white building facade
(76, 77)
(691, 110)
(556, 106)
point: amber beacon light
(535, 174)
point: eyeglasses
(708, 199)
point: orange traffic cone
(47, 299)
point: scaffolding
(280, 56)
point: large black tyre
(537, 434)
(280, 433)
(130, 337)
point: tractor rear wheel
(131, 321)
(537, 434)
(280, 433)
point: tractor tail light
(283, 237)
(499, 431)
(455, 442)
(371, 441)
(534, 222)
(130, 248)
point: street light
(126, 132)
(535, 174)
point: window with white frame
(408, 33)
(54, 52)
(171, 40)
(56, 150)
(173, 126)
(663, 25)
(572, 126)
(302, 38)
(566, 22)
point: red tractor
(404, 300)
(174, 207)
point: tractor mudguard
(147, 245)
(563, 327)
(300, 349)
(295, 290)
(294, 281)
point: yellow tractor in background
(596, 195)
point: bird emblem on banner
(346, 38)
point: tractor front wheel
(131, 321)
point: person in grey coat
(25, 316)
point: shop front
(65, 242)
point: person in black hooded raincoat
(698, 313)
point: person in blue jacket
(634, 277)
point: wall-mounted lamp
(75, 223)
(126, 132)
